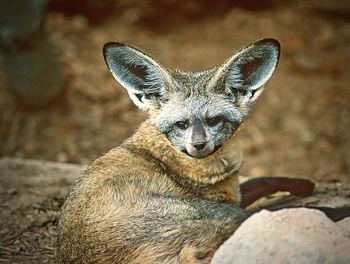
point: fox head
(196, 111)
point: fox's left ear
(245, 73)
(143, 77)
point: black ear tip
(110, 45)
(107, 47)
(271, 41)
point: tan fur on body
(150, 200)
(154, 157)
(217, 170)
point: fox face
(198, 125)
(197, 111)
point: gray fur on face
(205, 119)
(197, 111)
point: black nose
(199, 146)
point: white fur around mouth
(200, 155)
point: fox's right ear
(138, 73)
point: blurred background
(58, 102)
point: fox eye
(213, 121)
(182, 124)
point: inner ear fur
(248, 70)
(137, 72)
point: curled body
(170, 193)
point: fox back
(170, 193)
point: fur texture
(169, 193)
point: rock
(345, 225)
(33, 181)
(297, 235)
(31, 195)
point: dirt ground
(299, 127)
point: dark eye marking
(214, 121)
(182, 124)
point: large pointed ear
(245, 73)
(138, 73)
